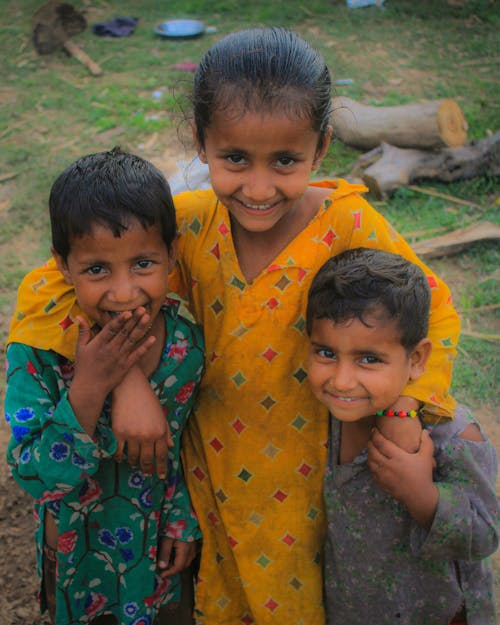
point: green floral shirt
(109, 516)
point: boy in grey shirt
(408, 534)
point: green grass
(52, 111)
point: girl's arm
(432, 388)
(139, 421)
(49, 451)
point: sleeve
(49, 453)
(186, 349)
(178, 518)
(370, 229)
(465, 526)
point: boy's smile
(116, 274)
(357, 370)
(260, 165)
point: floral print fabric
(109, 516)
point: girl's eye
(285, 161)
(236, 159)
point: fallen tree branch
(396, 167)
(457, 240)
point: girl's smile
(260, 167)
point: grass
(52, 111)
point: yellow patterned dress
(255, 446)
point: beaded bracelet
(399, 413)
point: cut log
(456, 241)
(427, 125)
(390, 167)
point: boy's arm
(465, 521)
(406, 476)
(49, 452)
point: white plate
(180, 28)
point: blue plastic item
(180, 28)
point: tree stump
(425, 125)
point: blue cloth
(117, 27)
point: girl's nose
(258, 187)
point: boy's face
(114, 274)
(355, 370)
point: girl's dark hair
(362, 281)
(109, 188)
(269, 69)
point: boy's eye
(324, 352)
(95, 270)
(370, 360)
(236, 159)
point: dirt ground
(18, 605)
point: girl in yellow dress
(255, 446)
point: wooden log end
(452, 123)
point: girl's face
(260, 165)
(114, 274)
(355, 370)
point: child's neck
(354, 438)
(256, 250)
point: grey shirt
(383, 568)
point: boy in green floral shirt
(119, 532)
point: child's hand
(174, 555)
(107, 356)
(138, 420)
(404, 432)
(103, 360)
(406, 476)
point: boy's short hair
(361, 281)
(110, 189)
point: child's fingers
(426, 445)
(165, 553)
(384, 445)
(147, 454)
(135, 326)
(133, 454)
(120, 445)
(84, 334)
(375, 458)
(161, 451)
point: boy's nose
(122, 292)
(343, 379)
